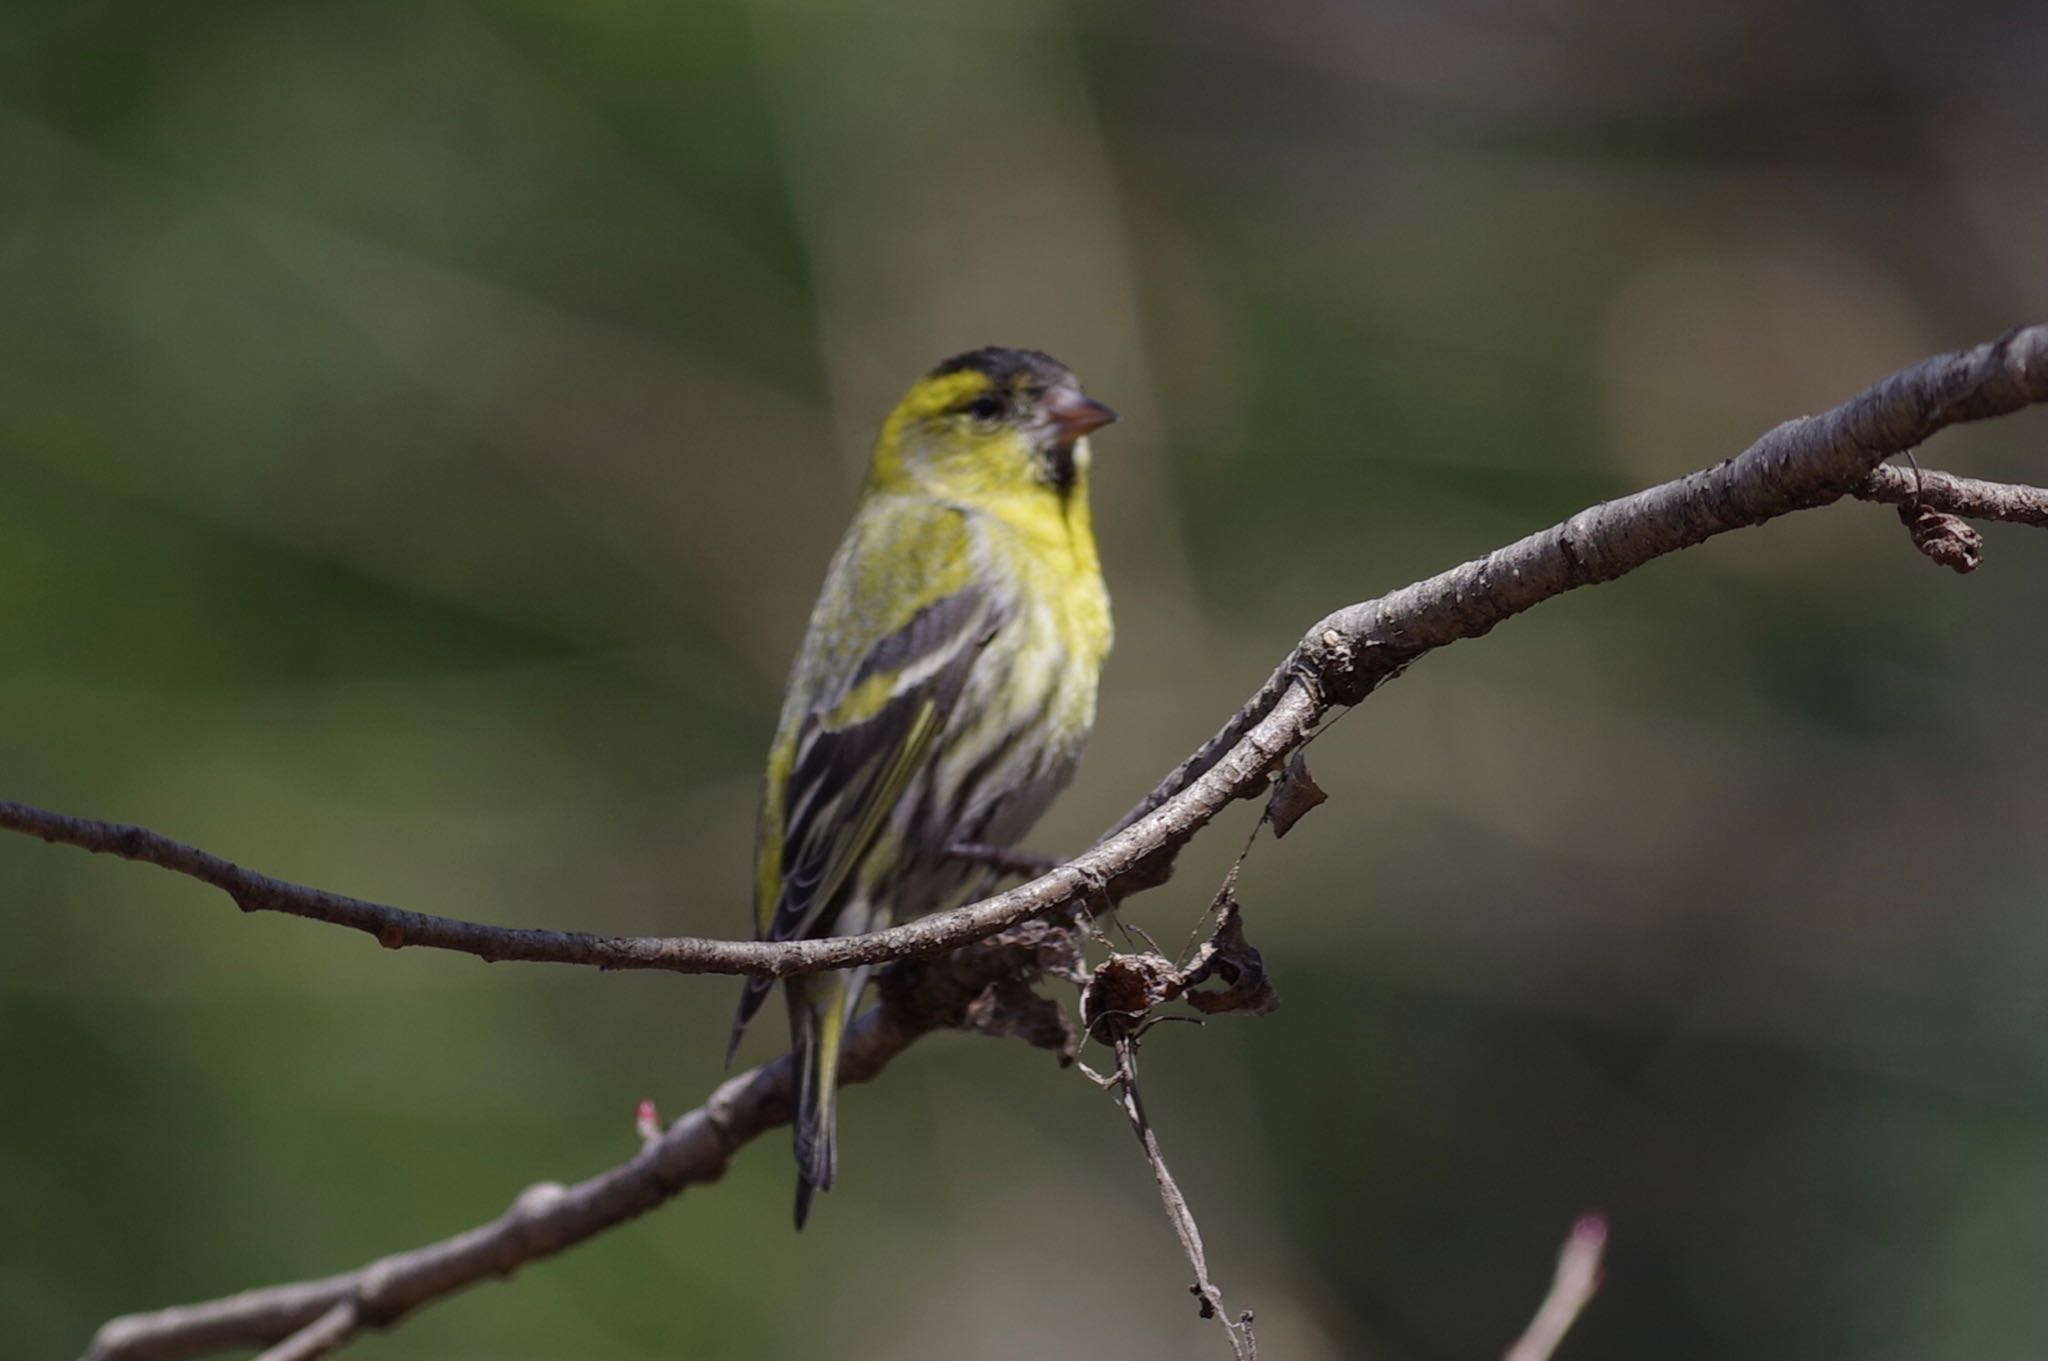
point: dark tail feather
(751, 997)
(804, 1190)
(817, 1019)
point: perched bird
(944, 689)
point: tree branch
(321, 1336)
(1209, 1299)
(548, 1218)
(1572, 1288)
(1130, 860)
(1800, 465)
(1969, 497)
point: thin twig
(1571, 1289)
(1244, 1345)
(319, 1337)
(1093, 881)
(1970, 497)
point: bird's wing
(870, 728)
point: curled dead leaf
(1295, 793)
(1011, 1008)
(1229, 957)
(1124, 988)
(1942, 538)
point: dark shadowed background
(422, 428)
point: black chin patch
(1059, 467)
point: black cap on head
(1004, 367)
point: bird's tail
(820, 1005)
(751, 997)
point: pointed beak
(1073, 415)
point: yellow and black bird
(944, 689)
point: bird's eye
(985, 408)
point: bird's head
(990, 424)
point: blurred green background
(422, 427)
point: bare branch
(1969, 497)
(1800, 465)
(1119, 1003)
(1571, 1289)
(319, 1337)
(548, 1218)
(1094, 881)
(1244, 1345)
